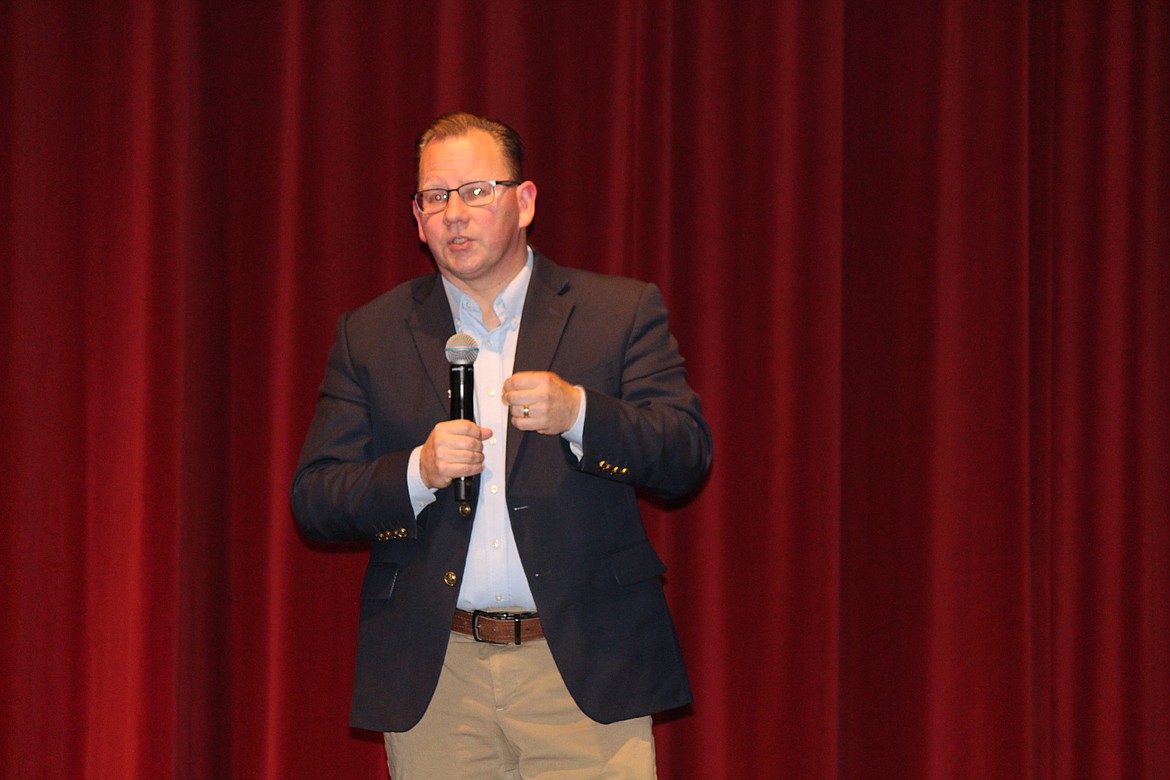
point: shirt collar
(508, 305)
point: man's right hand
(454, 449)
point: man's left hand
(541, 401)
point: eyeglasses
(473, 193)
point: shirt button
(495, 489)
(492, 440)
(496, 544)
(499, 597)
(491, 391)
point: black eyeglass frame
(417, 198)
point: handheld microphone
(461, 353)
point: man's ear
(526, 199)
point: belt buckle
(515, 617)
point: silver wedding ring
(524, 410)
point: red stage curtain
(917, 255)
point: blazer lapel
(431, 325)
(546, 313)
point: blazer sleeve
(651, 432)
(348, 486)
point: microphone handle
(462, 408)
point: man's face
(480, 247)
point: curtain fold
(916, 257)
(1110, 429)
(935, 385)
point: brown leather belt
(498, 628)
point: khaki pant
(502, 711)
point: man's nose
(456, 208)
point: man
(524, 630)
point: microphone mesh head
(462, 350)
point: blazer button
(451, 578)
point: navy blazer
(592, 571)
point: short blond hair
(460, 123)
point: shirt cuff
(420, 494)
(575, 436)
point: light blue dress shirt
(494, 576)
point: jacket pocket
(636, 563)
(379, 580)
